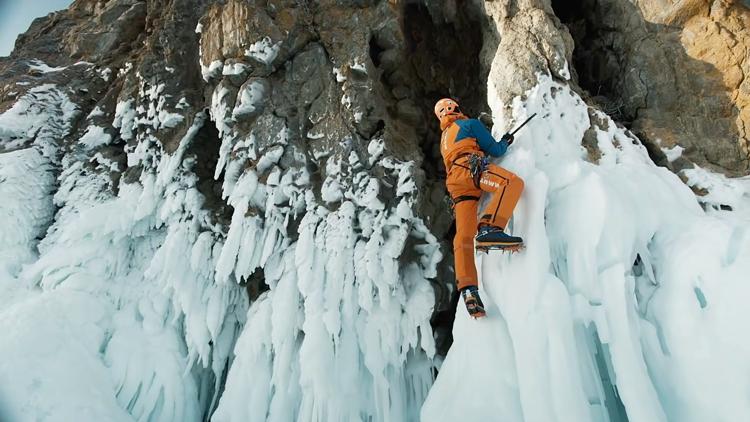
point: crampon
(473, 302)
(486, 247)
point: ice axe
(509, 136)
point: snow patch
(212, 70)
(722, 191)
(250, 98)
(124, 120)
(264, 50)
(340, 77)
(123, 71)
(96, 112)
(375, 148)
(95, 137)
(673, 153)
(105, 73)
(358, 67)
(234, 69)
(40, 66)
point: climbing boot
(491, 237)
(473, 302)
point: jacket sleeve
(486, 142)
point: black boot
(495, 237)
(473, 302)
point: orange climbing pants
(505, 188)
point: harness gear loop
(477, 165)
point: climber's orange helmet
(446, 107)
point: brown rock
(678, 68)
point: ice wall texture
(104, 294)
(625, 304)
(210, 211)
(190, 233)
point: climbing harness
(477, 165)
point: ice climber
(464, 145)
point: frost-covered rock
(677, 71)
(171, 189)
(235, 211)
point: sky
(16, 16)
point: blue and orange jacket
(464, 136)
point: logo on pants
(489, 183)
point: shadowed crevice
(639, 73)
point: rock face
(673, 71)
(287, 150)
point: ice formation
(341, 309)
(627, 302)
(127, 301)
(109, 305)
(264, 50)
(142, 288)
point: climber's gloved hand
(508, 138)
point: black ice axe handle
(523, 124)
